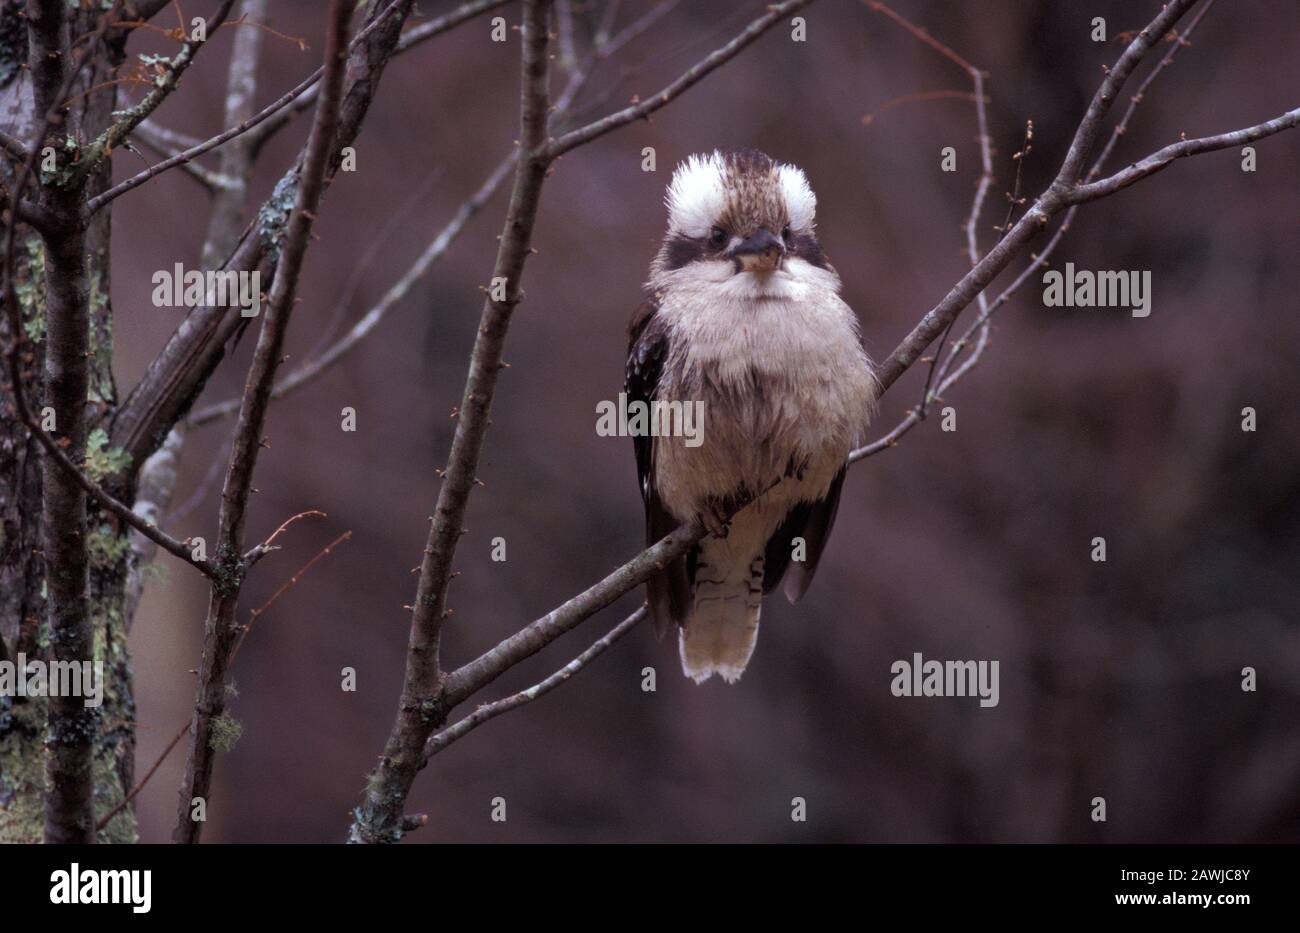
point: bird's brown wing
(669, 591)
(811, 521)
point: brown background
(1118, 679)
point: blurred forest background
(1119, 679)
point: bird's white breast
(780, 368)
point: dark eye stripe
(681, 250)
(806, 247)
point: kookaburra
(744, 315)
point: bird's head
(743, 213)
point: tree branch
(193, 152)
(220, 630)
(487, 667)
(981, 323)
(409, 39)
(164, 85)
(422, 706)
(463, 727)
(1163, 158)
(179, 372)
(318, 365)
(685, 82)
(235, 167)
(379, 817)
(444, 239)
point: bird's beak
(760, 252)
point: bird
(742, 313)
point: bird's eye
(785, 232)
(718, 236)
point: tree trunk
(23, 587)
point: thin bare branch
(422, 707)
(441, 739)
(253, 617)
(1163, 158)
(436, 27)
(220, 630)
(610, 46)
(642, 109)
(161, 137)
(163, 86)
(198, 345)
(235, 167)
(465, 681)
(411, 38)
(185, 156)
(443, 241)
(153, 498)
(379, 817)
(323, 362)
(987, 309)
(140, 784)
(372, 318)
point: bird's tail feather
(719, 637)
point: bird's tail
(719, 637)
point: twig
(225, 136)
(441, 739)
(268, 545)
(162, 137)
(229, 200)
(1047, 205)
(219, 629)
(987, 309)
(379, 821)
(302, 571)
(372, 318)
(139, 785)
(321, 363)
(642, 109)
(606, 46)
(298, 98)
(568, 58)
(380, 815)
(153, 497)
(1163, 158)
(253, 616)
(201, 491)
(197, 346)
(917, 97)
(409, 39)
(978, 97)
(163, 87)
(423, 703)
